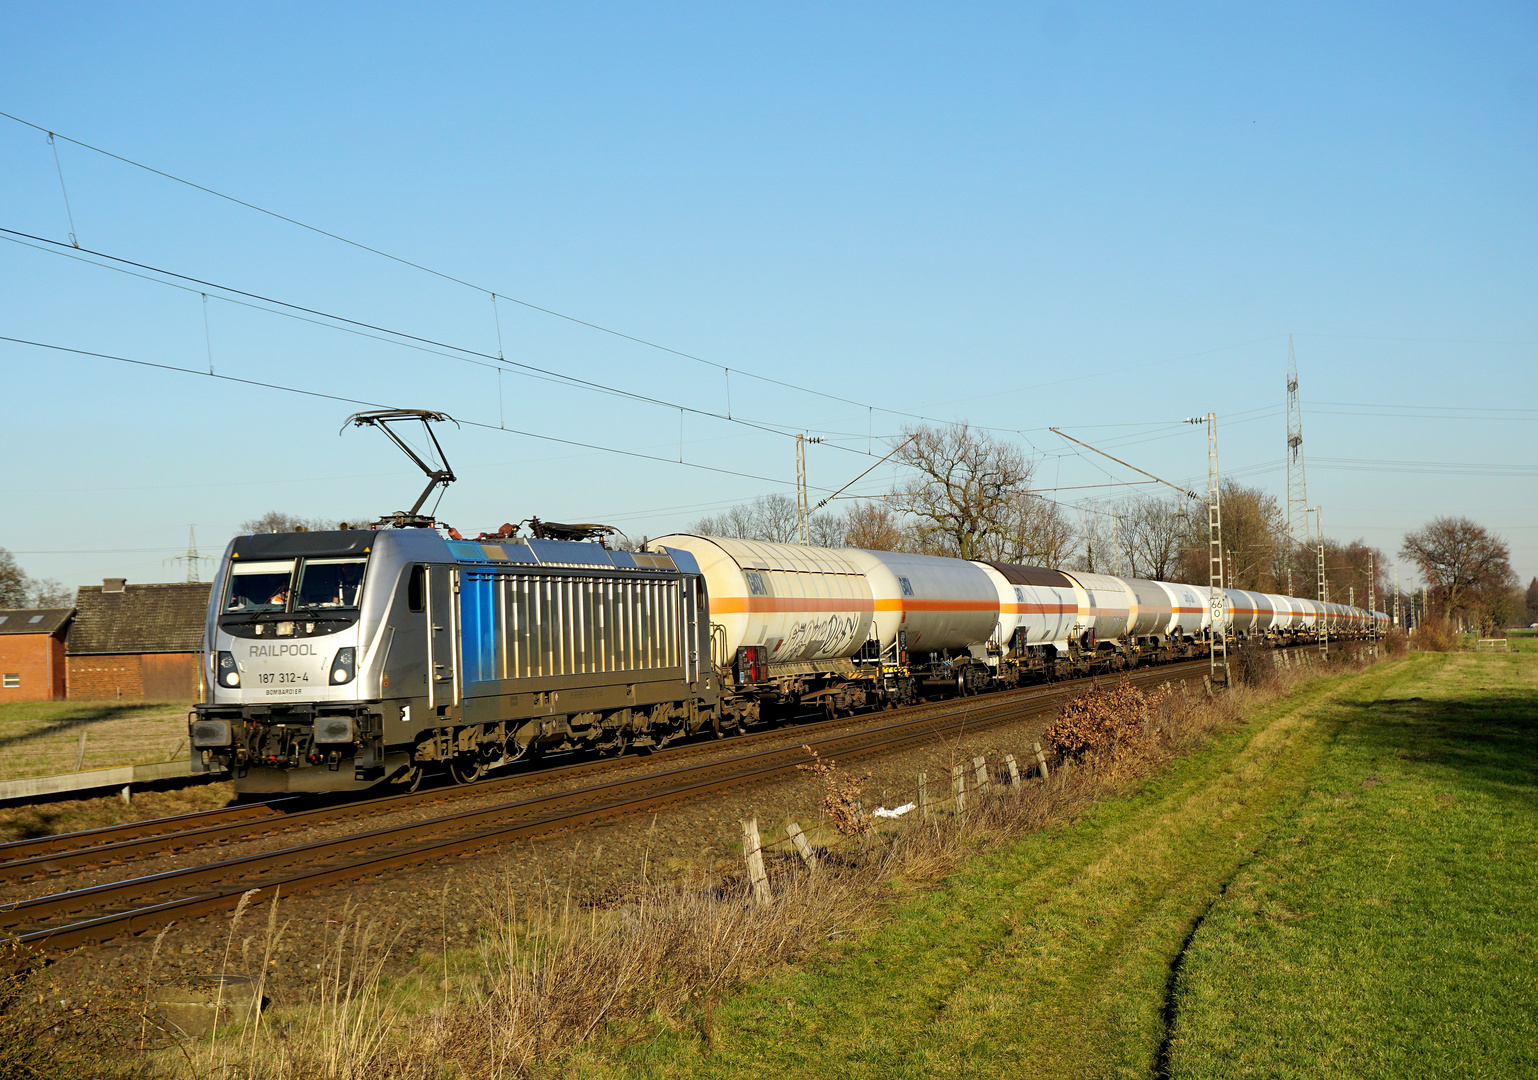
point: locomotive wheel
(465, 770)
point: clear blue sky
(1023, 216)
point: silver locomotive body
(337, 660)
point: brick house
(137, 642)
(32, 653)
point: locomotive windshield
(330, 583)
(278, 585)
(259, 586)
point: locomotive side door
(441, 661)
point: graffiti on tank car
(293, 649)
(834, 632)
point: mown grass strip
(1391, 927)
(1049, 957)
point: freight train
(347, 659)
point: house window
(10, 681)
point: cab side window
(416, 589)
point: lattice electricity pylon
(1297, 481)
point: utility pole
(1323, 587)
(803, 514)
(1372, 601)
(1397, 623)
(1217, 601)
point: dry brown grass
(549, 975)
(1434, 636)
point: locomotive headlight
(343, 666)
(229, 674)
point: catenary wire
(381, 405)
(396, 337)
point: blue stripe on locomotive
(478, 586)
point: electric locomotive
(337, 660)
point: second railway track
(99, 913)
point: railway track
(132, 906)
(116, 845)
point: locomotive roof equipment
(441, 474)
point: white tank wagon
(1281, 615)
(1037, 609)
(934, 616)
(1191, 612)
(1105, 616)
(1153, 610)
(1305, 617)
(791, 626)
(1165, 620)
(800, 604)
(1249, 613)
(337, 660)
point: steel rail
(19, 851)
(220, 885)
(112, 845)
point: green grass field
(40, 738)
(1390, 928)
(1342, 886)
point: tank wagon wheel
(409, 779)
(465, 770)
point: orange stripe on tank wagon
(1038, 609)
(736, 605)
(937, 605)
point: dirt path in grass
(1051, 958)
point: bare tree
(14, 582)
(829, 529)
(1031, 530)
(1152, 533)
(18, 589)
(961, 488)
(1532, 602)
(276, 522)
(771, 518)
(1465, 567)
(49, 593)
(875, 527)
(1254, 539)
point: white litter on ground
(882, 811)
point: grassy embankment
(42, 738)
(1340, 887)
(1390, 928)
